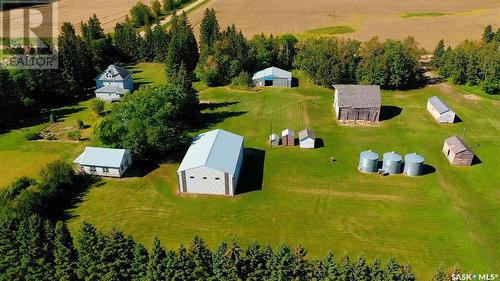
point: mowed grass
(423, 15)
(446, 216)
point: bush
(74, 135)
(79, 124)
(32, 135)
(242, 80)
(141, 15)
(97, 106)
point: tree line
(475, 63)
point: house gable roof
(274, 72)
(217, 149)
(101, 157)
(114, 72)
(358, 96)
(439, 105)
(457, 145)
(305, 134)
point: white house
(113, 83)
(307, 139)
(212, 164)
(272, 76)
(108, 162)
(440, 111)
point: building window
(191, 177)
(204, 178)
(105, 170)
(217, 178)
(92, 169)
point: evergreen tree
(255, 263)
(488, 34)
(11, 102)
(407, 273)
(345, 269)
(157, 262)
(437, 57)
(64, 254)
(183, 267)
(92, 30)
(88, 253)
(376, 270)
(201, 256)
(286, 51)
(156, 9)
(118, 255)
(301, 268)
(168, 5)
(128, 42)
(282, 264)
(209, 31)
(139, 267)
(10, 256)
(361, 271)
(393, 270)
(182, 47)
(330, 268)
(159, 42)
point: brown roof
(358, 96)
(457, 145)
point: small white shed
(107, 162)
(212, 164)
(274, 140)
(440, 111)
(307, 139)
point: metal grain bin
(413, 164)
(368, 162)
(392, 163)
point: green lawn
(447, 216)
(423, 15)
(325, 32)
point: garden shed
(357, 103)
(307, 139)
(274, 140)
(440, 111)
(457, 151)
(288, 137)
(99, 161)
(272, 76)
(212, 164)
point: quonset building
(212, 164)
(272, 76)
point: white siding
(99, 171)
(336, 104)
(203, 180)
(307, 143)
(446, 117)
(108, 97)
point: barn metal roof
(101, 157)
(114, 72)
(273, 72)
(439, 105)
(457, 145)
(358, 96)
(111, 89)
(306, 133)
(287, 132)
(217, 149)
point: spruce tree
(183, 265)
(201, 256)
(488, 34)
(88, 252)
(182, 47)
(376, 270)
(330, 268)
(407, 273)
(301, 268)
(361, 270)
(345, 269)
(157, 262)
(139, 267)
(392, 270)
(282, 263)
(209, 31)
(64, 254)
(255, 268)
(437, 57)
(10, 265)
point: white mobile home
(212, 164)
(107, 162)
(440, 111)
(307, 139)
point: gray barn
(457, 151)
(357, 103)
(272, 76)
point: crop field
(427, 21)
(290, 195)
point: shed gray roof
(306, 133)
(272, 71)
(358, 96)
(438, 104)
(114, 72)
(111, 89)
(457, 145)
(101, 157)
(217, 149)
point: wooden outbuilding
(288, 137)
(357, 103)
(457, 151)
(307, 139)
(440, 111)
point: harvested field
(461, 19)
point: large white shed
(440, 111)
(107, 162)
(272, 76)
(307, 139)
(212, 164)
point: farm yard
(448, 215)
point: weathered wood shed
(440, 111)
(457, 151)
(288, 137)
(307, 139)
(357, 103)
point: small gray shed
(457, 151)
(440, 111)
(355, 103)
(272, 76)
